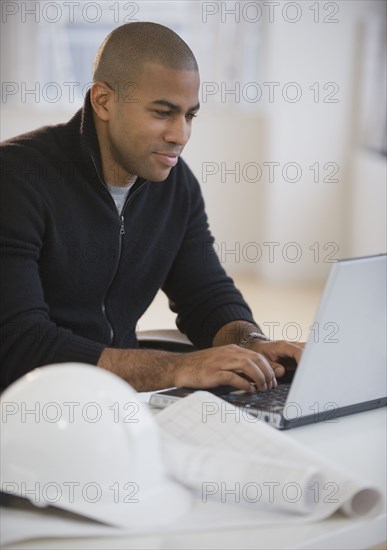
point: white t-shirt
(119, 194)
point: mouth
(168, 159)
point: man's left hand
(282, 355)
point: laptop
(343, 366)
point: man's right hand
(149, 370)
(225, 365)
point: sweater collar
(88, 136)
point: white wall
(226, 153)
(295, 229)
(367, 229)
(311, 132)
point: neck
(112, 171)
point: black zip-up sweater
(76, 276)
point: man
(99, 213)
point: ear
(102, 98)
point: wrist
(252, 337)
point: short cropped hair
(127, 48)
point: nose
(178, 131)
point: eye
(190, 116)
(162, 114)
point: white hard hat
(77, 437)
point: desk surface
(357, 442)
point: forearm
(243, 368)
(144, 370)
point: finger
(281, 349)
(263, 385)
(259, 370)
(253, 374)
(236, 379)
(279, 370)
(265, 367)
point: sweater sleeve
(198, 288)
(29, 338)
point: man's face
(150, 123)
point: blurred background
(290, 142)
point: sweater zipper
(120, 237)
(122, 226)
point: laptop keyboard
(272, 399)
